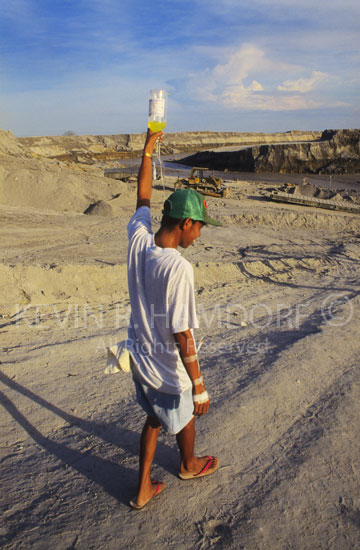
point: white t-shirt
(161, 288)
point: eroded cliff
(336, 152)
(107, 147)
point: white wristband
(190, 358)
(201, 397)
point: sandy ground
(278, 292)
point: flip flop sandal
(210, 467)
(159, 489)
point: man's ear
(186, 223)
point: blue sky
(230, 65)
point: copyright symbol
(337, 310)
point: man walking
(169, 384)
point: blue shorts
(173, 412)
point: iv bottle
(157, 110)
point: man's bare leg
(186, 441)
(148, 443)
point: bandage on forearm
(201, 397)
(198, 381)
(190, 358)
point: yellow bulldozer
(204, 182)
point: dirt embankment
(108, 147)
(337, 152)
(26, 179)
(66, 173)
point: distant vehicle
(204, 182)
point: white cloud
(229, 79)
(303, 85)
(255, 87)
(228, 83)
(266, 102)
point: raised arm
(144, 185)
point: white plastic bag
(118, 358)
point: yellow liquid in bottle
(156, 126)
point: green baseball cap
(187, 203)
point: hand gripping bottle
(157, 110)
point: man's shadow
(117, 480)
